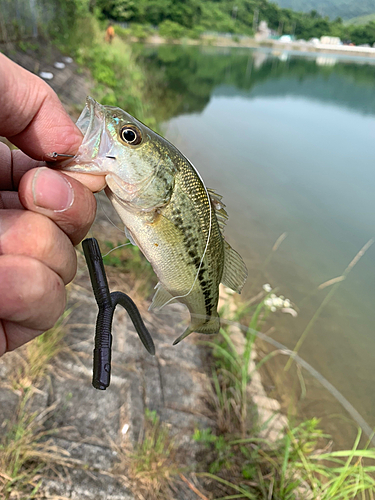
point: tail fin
(201, 326)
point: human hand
(37, 257)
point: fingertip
(42, 190)
(94, 183)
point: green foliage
(26, 453)
(171, 30)
(140, 31)
(361, 20)
(297, 464)
(129, 259)
(172, 71)
(223, 452)
(58, 18)
(332, 8)
(152, 465)
(363, 34)
(119, 79)
(18, 448)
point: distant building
(330, 40)
(263, 31)
(285, 39)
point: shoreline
(296, 48)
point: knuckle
(36, 294)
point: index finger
(32, 116)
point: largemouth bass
(167, 210)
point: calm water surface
(289, 142)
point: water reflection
(289, 142)
(183, 78)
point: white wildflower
(278, 302)
(267, 287)
(275, 303)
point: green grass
(129, 259)
(298, 464)
(36, 356)
(152, 465)
(119, 80)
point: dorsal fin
(221, 214)
(235, 272)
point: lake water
(290, 144)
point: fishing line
(208, 238)
(104, 212)
(119, 246)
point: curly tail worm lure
(107, 303)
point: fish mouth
(92, 124)
(90, 119)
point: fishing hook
(107, 303)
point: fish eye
(131, 135)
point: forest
(192, 17)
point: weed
(26, 453)
(247, 466)
(335, 283)
(38, 354)
(152, 465)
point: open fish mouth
(91, 118)
(96, 144)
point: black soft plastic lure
(107, 303)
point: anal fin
(161, 297)
(235, 272)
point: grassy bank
(256, 454)
(119, 80)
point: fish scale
(167, 211)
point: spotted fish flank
(168, 212)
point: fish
(168, 212)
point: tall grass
(34, 359)
(297, 464)
(152, 465)
(26, 450)
(335, 284)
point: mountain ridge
(346, 9)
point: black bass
(167, 210)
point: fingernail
(51, 190)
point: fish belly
(174, 241)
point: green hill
(346, 9)
(356, 21)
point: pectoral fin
(235, 272)
(161, 297)
(129, 236)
